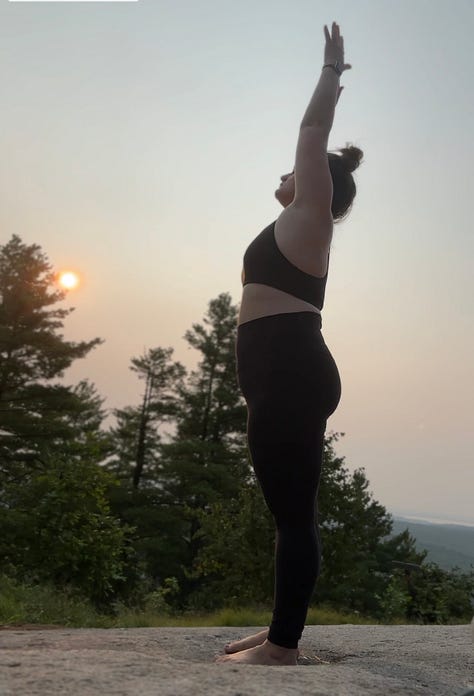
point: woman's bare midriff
(262, 300)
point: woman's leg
(291, 385)
(297, 548)
(289, 473)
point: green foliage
(235, 562)
(352, 526)
(354, 530)
(158, 601)
(59, 529)
(212, 408)
(28, 602)
(165, 485)
(136, 436)
(439, 596)
(158, 538)
(207, 460)
(395, 600)
(22, 603)
(36, 417)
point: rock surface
(335, 661)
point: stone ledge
(344, 660)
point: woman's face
(286, 191)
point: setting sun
(69, 280)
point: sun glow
(68, 280)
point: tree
(57, 527)
(356, 555)
(136, 461)
(84, 437)
(136, 436)
(36, 416)
(438, 596)
(235, 563)
(207, 459)
(203, 461)
(235, 559)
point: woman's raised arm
(313, 183)
(320, 111)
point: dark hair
(344, 189)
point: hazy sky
(141, 144)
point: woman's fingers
(335, 34)
(329, 36)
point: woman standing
(286, 373)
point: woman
(286, 373)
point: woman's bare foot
(249, 642)
(245, 643)
(265, 654)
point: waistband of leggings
(305, 317)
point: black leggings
(291, 385)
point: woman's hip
(283, 358)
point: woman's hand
(334, 49)
(320, 111)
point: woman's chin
(281, 199)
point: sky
(141, 146)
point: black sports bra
(264, 263)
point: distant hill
(448, 545)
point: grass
(246, 616)
(20, 604)
(28, 604)
(42, 604)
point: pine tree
(137, 436)
(54, 515)
(207, 459)
(136, 461)
(36, 416)
(356, 556)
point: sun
(68, 280)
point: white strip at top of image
(72, 0)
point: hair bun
(351, 156)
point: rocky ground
(335, 661)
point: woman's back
(285, 270)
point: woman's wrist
(336, 66)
